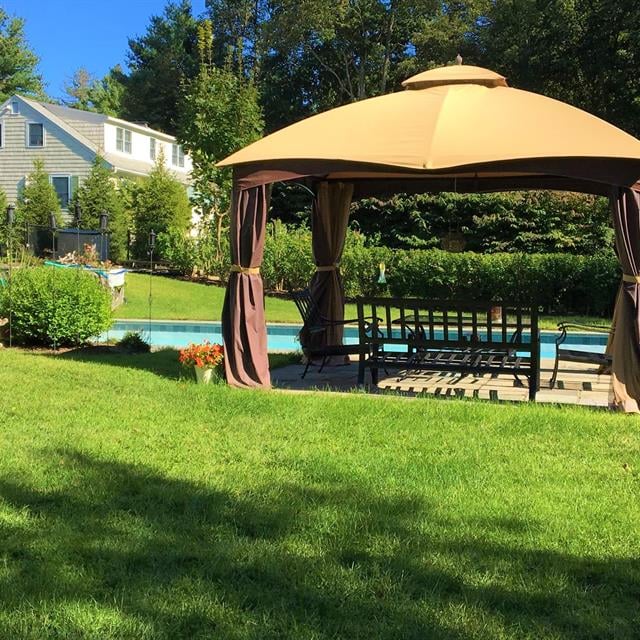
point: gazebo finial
(458, 59)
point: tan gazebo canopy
(454, 128)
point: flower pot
(203, 374)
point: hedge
(559, 282)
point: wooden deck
(577, 384)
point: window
(1, 134)
(62, 186)
(123, 140)
(152, 148)
(35, 134)
(14, 108)
(177, 156)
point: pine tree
(161, 204)
(38, 199)
(98, 194)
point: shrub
(288, 262)
(55, 307)
(179, 250)
(134, 342)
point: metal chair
(315, 323)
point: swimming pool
(284, 337)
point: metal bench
(577, 355)
(413, 335)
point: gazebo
(456, 128)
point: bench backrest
(447, 324)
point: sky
(68, 34)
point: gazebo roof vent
(455, 74)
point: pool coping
(299, 324)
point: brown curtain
(624, 342)
(329, 220)
(243, 326)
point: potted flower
(205, 358)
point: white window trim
(44, 135)
(2, 132)
(14, 108)
(125, 131)
(179, 149)
(68, 177)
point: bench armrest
(591, 327)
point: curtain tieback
(626, 277)
(250, 271)
(331, 267)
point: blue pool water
(285, 337)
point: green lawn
(136, 504)
(180, 300)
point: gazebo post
(329, 221)
(624, 343)
(244, 330)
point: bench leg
(533, 387)
(304, 373)
(374, 376)
(552, 382)
(324, 361)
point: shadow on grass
(177, 559)
(163, 362)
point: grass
(136, 504)
(180, 300)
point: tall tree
(91, 94)
(98, 194)
(38, 199)
(160, 203)
(159, 62)
(220, 114)
(327, 53)
(18, 63)
(78, 90)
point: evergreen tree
(91, 94)
(220, 114)
(160, 203)
(18, 64)
(38, 199)
(159, 61)
(98, 194)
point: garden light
(11, 215)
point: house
(68, 141)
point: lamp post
(53, 226)
(11, 218)
(78, 219)
(152, 245)
(104, 229)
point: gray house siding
(62, 154)
(94, 132)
